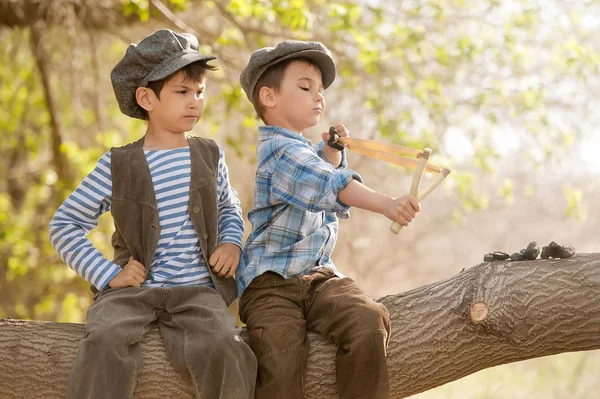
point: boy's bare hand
(403, 209)
(334, 156)
(225, 259)
(132, 275)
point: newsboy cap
(262, 59)
(157, 56)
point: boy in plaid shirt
(286, 278)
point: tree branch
(59, 160)
(102, 14)
(203, 35)
(494, 313)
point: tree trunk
(491, 314)
(60, 161)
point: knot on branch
(478, 312)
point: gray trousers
(200, 336)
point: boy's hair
(272, 78)
(194, 72)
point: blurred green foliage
(408, 71)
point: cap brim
(174, 65)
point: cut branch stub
(478, 312)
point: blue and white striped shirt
(178, 259)
(294, 223)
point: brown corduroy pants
(279, 311)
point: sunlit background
(504, 92)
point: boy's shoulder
(278, 149)
(203, 141)
(128, 147)
(192, 140)
(275, 146)
(205, 147)
(200, 149)
(282, 144)
(280, 141)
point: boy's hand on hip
(331, 154)
(132, 275)
(403, 209)
(225, 259)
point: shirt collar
(269, 132)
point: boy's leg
(109, 354)
(272, 309)
(203, 342)
(359, 326)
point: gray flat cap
(268, 56)
(157, 56)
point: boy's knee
(276, 338)
(239, 352)
(225, 349)
(372, 316)
(370, 331)
(230, 344)
(225, 343)
(103, 338)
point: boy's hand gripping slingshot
(390, 153)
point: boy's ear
(143, 96)
(266, 96)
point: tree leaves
(409, 72)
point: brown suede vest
(135, 211)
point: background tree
(503, 92)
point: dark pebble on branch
(557, 251)
(532, 251)
(518, 256)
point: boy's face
(299, 103)
(180, 105)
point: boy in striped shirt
(177, 240)
(286, 278)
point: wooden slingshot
(391, 153)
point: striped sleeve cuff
(232, 240)
(231, 226)
(104, 274)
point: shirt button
(205, 236)
(196, 209)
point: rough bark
(491, 314)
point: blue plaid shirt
(295, 214)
